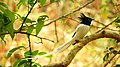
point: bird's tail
(59, 49)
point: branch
(28, 14)
(31, 35)
(83, 42)
(30, 60)
(107, 25)
(69, 13)
(105, 28)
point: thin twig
(73, 19)
(99, 22)
(107, 25)
(35, 36)
(105, 28)
(28, 14)
(30, 60)
(69, 13)
(31, 35)
(56, 32)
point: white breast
(81, 31)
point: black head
(85, 20)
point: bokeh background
(103, 11)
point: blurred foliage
(14, 12)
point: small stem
(30, 60)
(56, 32)
(107, 25)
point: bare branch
(31, 35)
(69, 13)
(30, 60)
(107, 25)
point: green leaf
(27, 54)
(42, 2)
(27, 20)
(43, 53)
(2, 9)
(10, 29)
(39, 26)
(23, 61)
(0, 65)
(43, 18)
(18, 62)
(36, 65)
(22, 2)
(19, 4)
(34, 53)
(30, 29)
(30, 2)
(118, 20)
(2, 37)
(106, 57)
(51, 1)
(10, 14)
(4, 5)
(13, 50)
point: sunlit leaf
(10, 29)
(21, 2)
(39, 26)
(36, 65)
(2, 37)
(30, 2)
(43, 53)
(4, 5)
(27, 54)
(10, 14)
(42, 2)
(30, 29)
(34, 53)
(23, 61)
(18, 62)
(2, 9)
(43, 18)
(13, 50)
(27, 20)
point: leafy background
(91, 55)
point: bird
(81, 30)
